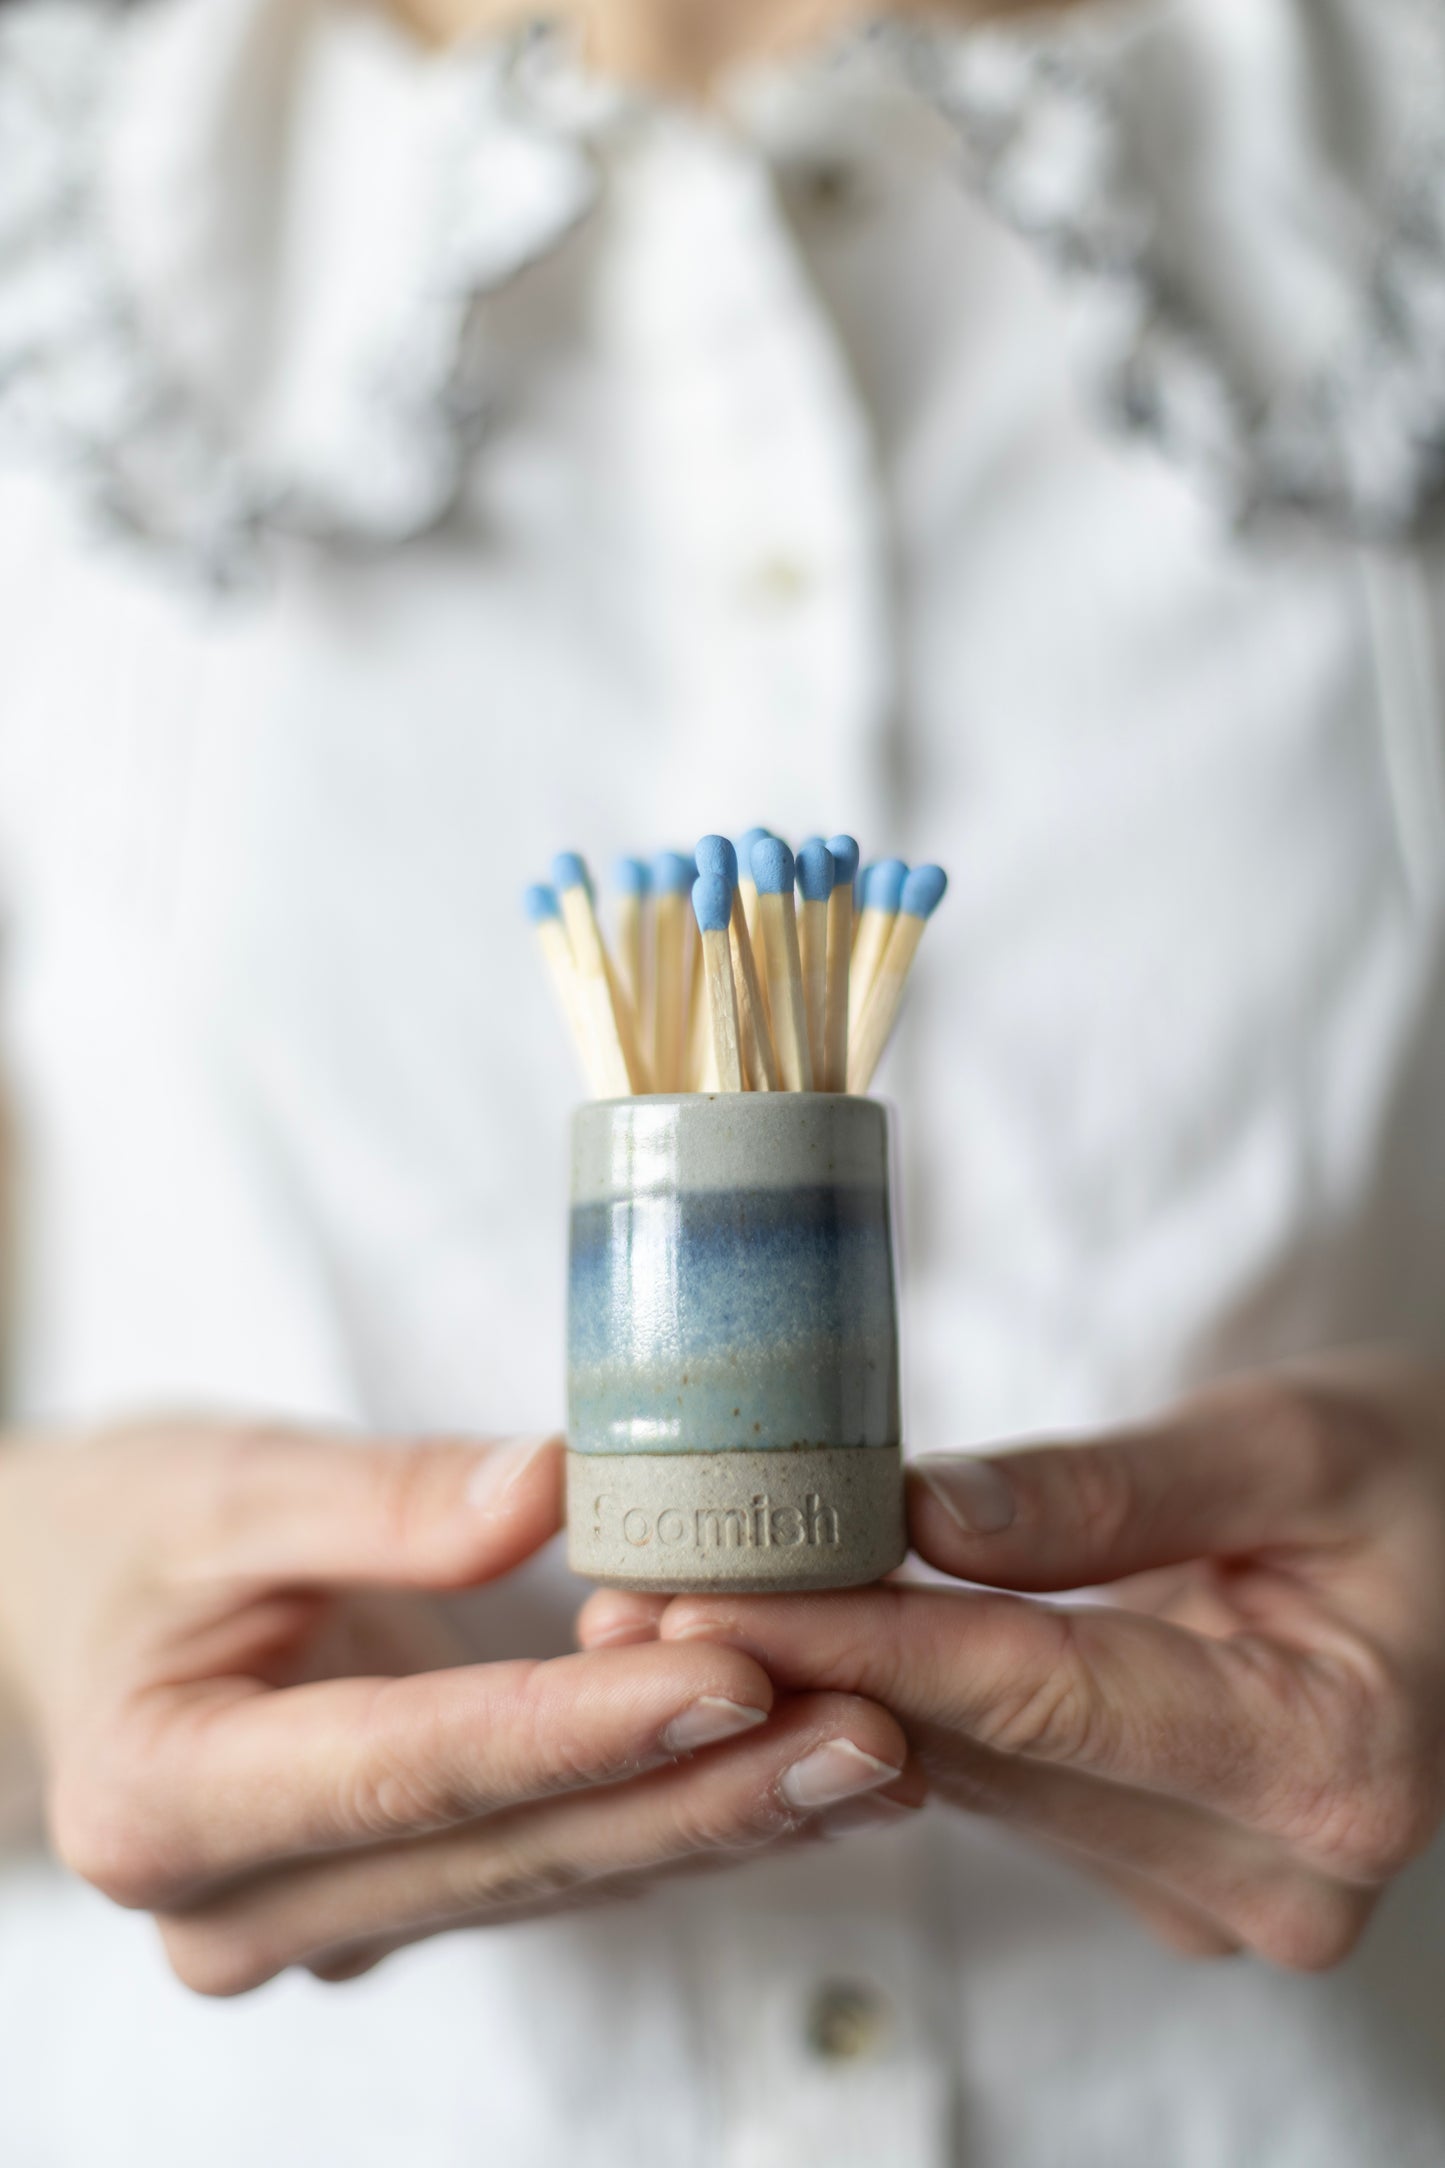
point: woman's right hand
(168, 1597)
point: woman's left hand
(1246, 1737)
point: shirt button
(848, 2022)
(779, 580)
(831, 185)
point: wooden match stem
(630, 922)
(669, 995)
(783, 966)
(813, 948)
(760, 1060)
(609, 1024)
(840, 950)
(699, 1027)
(874, 930)
(723, 1011)
(880, 1011)
(748, 891)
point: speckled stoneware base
(732, 1344)
(831, 1517)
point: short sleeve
(1250, 195)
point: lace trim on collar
(1049, 122)
(84, 386)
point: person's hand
(1245, 1738)
(168, 1597)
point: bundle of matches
(735, 970)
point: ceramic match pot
(733, 1408)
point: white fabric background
(750, 476)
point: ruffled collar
(247, 248)
(1267, 285)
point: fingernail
(710, 1720)
(857, 1814)
(627, 1633)
(500, 1469)
(977, 1498)
(838, 1770)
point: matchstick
(716, 857)
(759, 1054)
(815, 885)
(712, 902)
(922, 894)
(542, 908)
(672, 879)
(881, 892)
(844, 853)
(860, 889)
(618, 1066)
(773, 871)
(748, 887)
(696, 1057)
(748, 892)
(632, 884)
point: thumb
(1251, 1467)
(299, 1506)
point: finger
(1290, 1744)
(1195, 1864)
(237, 1783)
(612, 1617)
(819, 1752)
(1197, 1596)
(291, 1506)
(1177, 1925)
(352, 1963)
(1247, 1468)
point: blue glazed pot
(732, 1322)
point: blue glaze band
(707, 1314)
(540, 903)
(734, 1319)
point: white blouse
(423, 464)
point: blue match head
(570, 871)
(745, 850)
(672, 874)
(630, 877)
(883, 889)
(923, 891)
(815, 871)
(845, 860)
(540, 903)
(717, 860)
(712, 899)
(773, 868)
